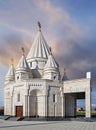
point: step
(4, 117)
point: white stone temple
(35, 89)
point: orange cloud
(12, 49)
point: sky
(69, 27)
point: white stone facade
(34, 87)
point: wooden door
(19, 111)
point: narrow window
(30, 64)
(18, 97)
(53, 97)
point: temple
(35, 88)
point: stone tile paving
(46, 125)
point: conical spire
(51, 62)
(51, 69)
(22, 70)
(64, 76)
(23, 65)
(10, 76)
(39, 47)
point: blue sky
(69, 25)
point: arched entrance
(36, 103)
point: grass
(82, 113)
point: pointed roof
(10, 76)
(64, 76)
(39, 48)
(11, 71)
(51, 62)
(23, 65)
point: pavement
(46, 125)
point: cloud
(15, 28)
(12, 48)
(64, 34)
(59, 19)
(66, 38)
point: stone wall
(54, 108)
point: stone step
(45, 119)
(59, 119)
(4, 117)
(15, 118)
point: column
(11, 105)
(88, 101)
(88, 95)
(26, 106)
(63, 105)
(45, 102)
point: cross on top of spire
(50, 50)
(23, 51)
(12, 61)
(39, 25)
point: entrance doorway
(36, 105)
(19, 111)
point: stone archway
(70, 103)
(36, 103)
(81, 89)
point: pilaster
(88, 101)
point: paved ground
(46, 125)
